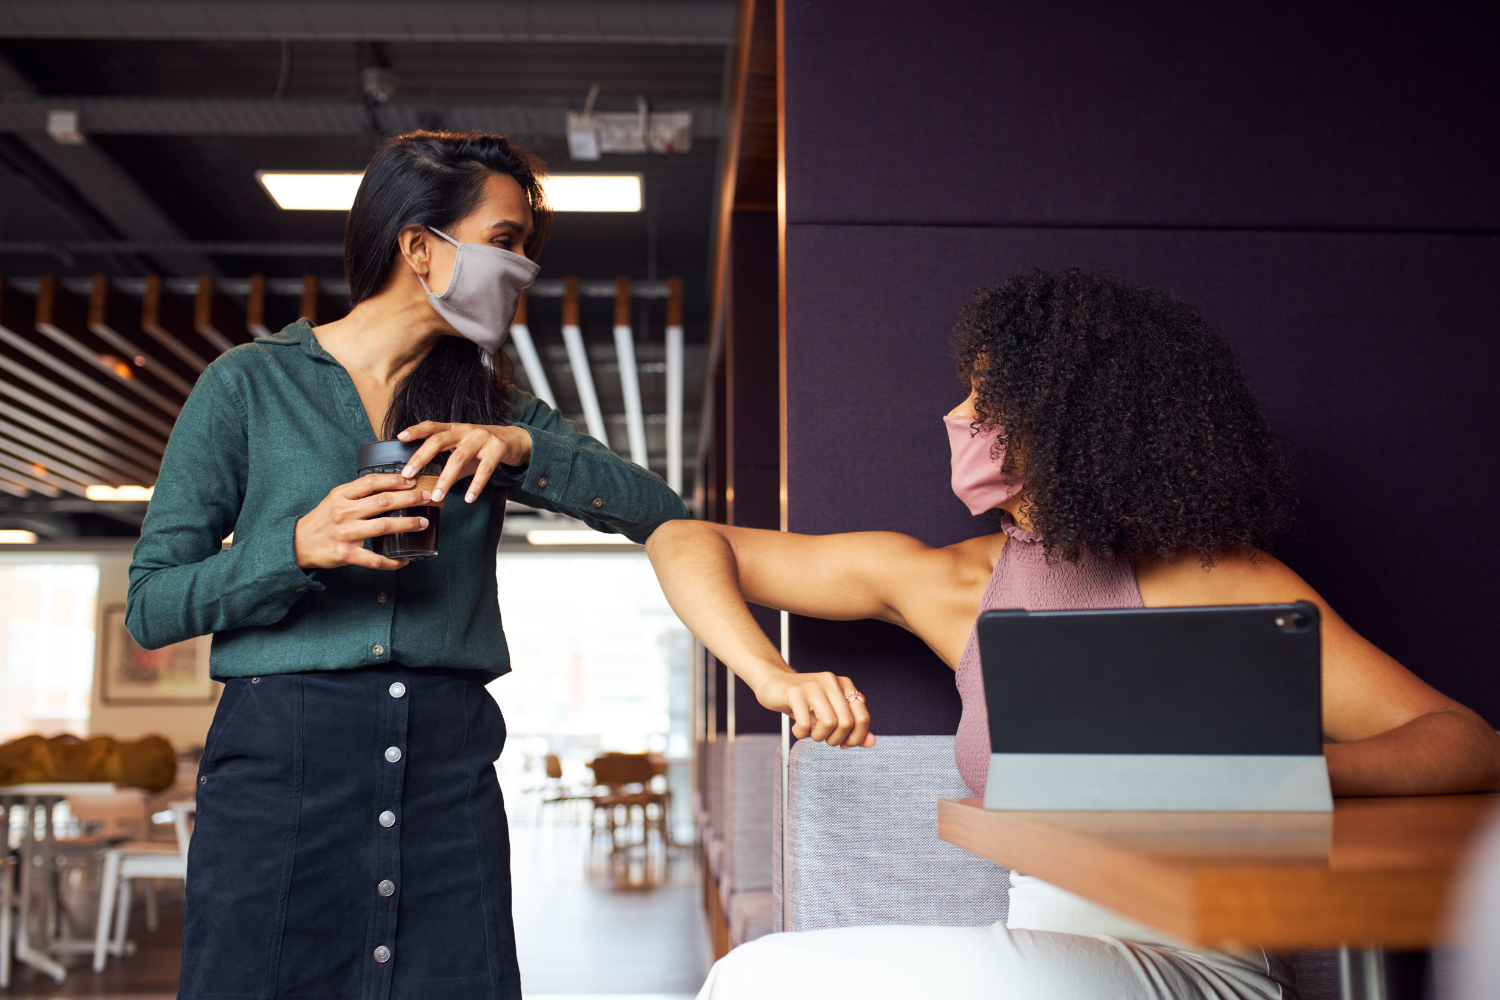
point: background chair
(7, 905)
(133, 860)
(627, 780)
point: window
(47, 616)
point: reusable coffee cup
(391, 457)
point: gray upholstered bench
(862, 843)
(750, 764)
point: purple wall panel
(1375, 356)
(1297, 115)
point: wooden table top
(1374, 873)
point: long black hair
(435, 179)
(1136, 431)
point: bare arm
(708, 572)
(1395, 734)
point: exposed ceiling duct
(110, 190)
(225, 116)
(660, 22)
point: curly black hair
(1124, 409)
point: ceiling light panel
(330, 191)
(593, 192)
(310, 191)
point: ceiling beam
(104, 184)
(659, 22)
(204, 116)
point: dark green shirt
(269, 429)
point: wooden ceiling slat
(51, 302)
(14, 489)
(130, 457)
(111, 322)
(217, 318)
(80, 404)
(21, 344)
(20, 472)
(167, 318)
(96, 472)
(255, 307)
(309, 307)
(72, 479)
(124, 469)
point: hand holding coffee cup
(477, 450)
(333, 533)
(413, 541)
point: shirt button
(598, 502)
(378, 649)
(382, 954)
(255, 680)
(393, 754)
(541, 484)
(385, 888)
(381, 597)
(398, 690)
(387, 819)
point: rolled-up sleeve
(183, 583)
(574, 474)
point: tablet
(1212, 708)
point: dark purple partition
(1280, 114)
(1315, 182)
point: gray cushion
(862, 843)
(749, 776)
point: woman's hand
(333, 533)
(820, 705)
(477, 451)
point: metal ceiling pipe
(98, 115)
(658, 22)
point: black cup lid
(386, 453)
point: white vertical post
(578, 359)
(630, 376)
(674, 383)
(786, 765)
(520, 332)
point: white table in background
(38, 859)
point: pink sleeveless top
(1022, 579)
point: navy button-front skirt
(351, 841)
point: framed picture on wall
(173, 675)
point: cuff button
(598, 502)
(541, 484)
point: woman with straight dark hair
(351, 840)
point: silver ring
(854, 694)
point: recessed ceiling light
(136, 493)
(310, 190)
(566, 537)
(15, 536)
(328, 191)
(593, 192)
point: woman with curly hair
(1124, 456)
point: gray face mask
(480, 300)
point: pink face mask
(977, 479)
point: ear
(415, 249)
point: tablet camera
(1294, 621)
